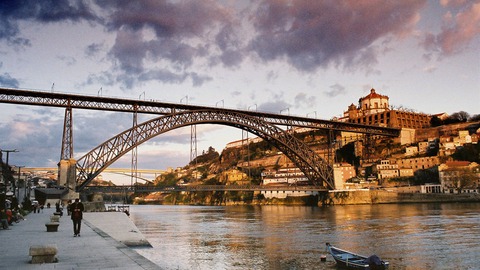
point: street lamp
(222, 101)
(315, 112)
(18, 182)
(8, 154)
(186, 98)
(286, 109)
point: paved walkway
(93, 250)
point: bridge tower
(193, 143)
(67, 166)
(134, 167)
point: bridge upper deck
(52, 99)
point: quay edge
(391, 197)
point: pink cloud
(312, 34)
(459, 28)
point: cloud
(275, 107)
(7, 81)
(160, 40)
(48, 11)
(461, 25)
(70, 61)
(39, 134)
(163, 35)
(304, 101)
(34, 136)
(93, 49)
(430, 68)
(336, 90)
(313, 34)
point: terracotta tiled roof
(457, 163)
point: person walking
(76, 210)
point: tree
(469, 152)
(467, 178)
(457, 117)
(475, 117)
(435, 121)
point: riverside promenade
(95, 249)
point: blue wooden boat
(350, 260)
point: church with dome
(374, 109)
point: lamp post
(186, 99)
(222, 101)
(8, 154)
(18, 182)
(315, 112)
(286, 109)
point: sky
(304, 58)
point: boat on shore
(350, 260)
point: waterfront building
(234, 176)
(386, 169)
(431, 188)
(287, 177)
(341, 173)
(459, 177)
(420, 163)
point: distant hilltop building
(374, 109)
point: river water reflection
(409, 236)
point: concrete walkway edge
(95, 249)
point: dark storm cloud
(312, 34)
(45, 11)
(161, 40)
(176, 33)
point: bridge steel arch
(316, 169)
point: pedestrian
(4, 219)
(35, 206)
(76, 210)
(68, 207)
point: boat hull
(350, 260)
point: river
(409, 236)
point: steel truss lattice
(317, 170)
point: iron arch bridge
(317, 170)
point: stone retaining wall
(383, 196)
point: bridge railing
(193, 188)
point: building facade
(459, 177)
(290, 176)
(374, 109)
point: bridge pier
(67, 173)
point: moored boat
(350, 260)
